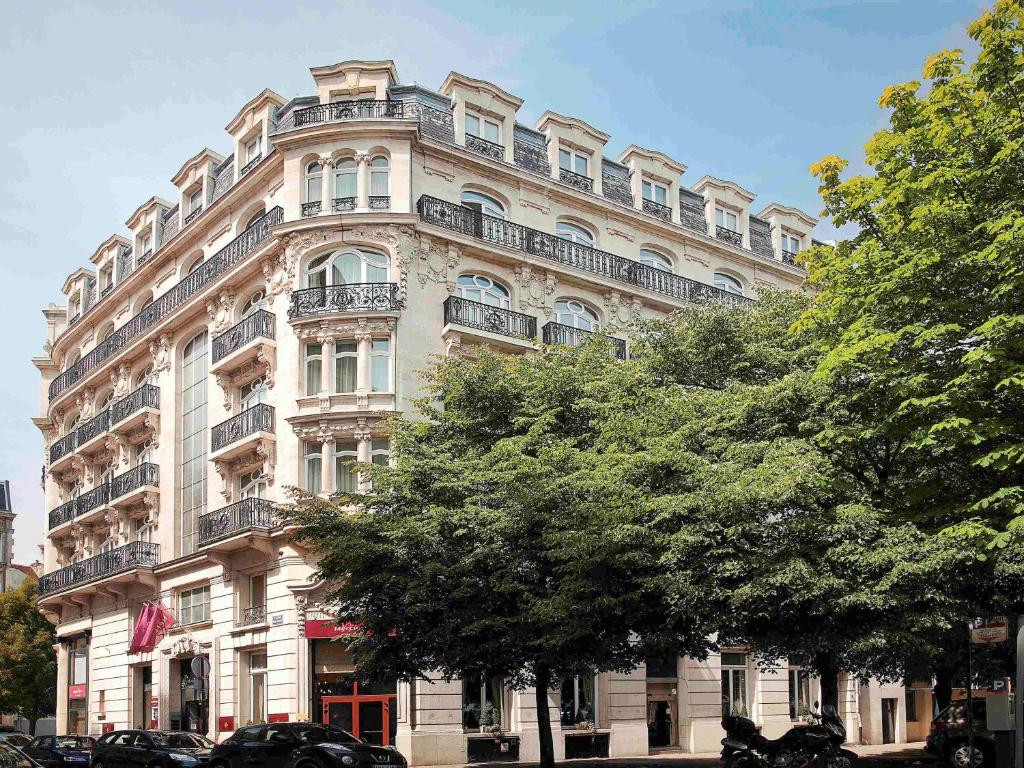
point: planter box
(485, 749)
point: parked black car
(14, 738)
(59, 751)
(947, 738)
(15, 758)
(150, 749)
(300, 745)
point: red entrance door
(371, 718)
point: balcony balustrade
(253, 615)
(789, 257)
(355, 297)
(663, 212)
(65, 513)
(311, 208)
(237, 518)
(730, 236)
(557, 333)
(485, 147)
(343, 204)
(577, 180)
(136, 479)
(484, 317)
(96, 426)
(250, 165)
(137, 554)
(92, 499)
(192, 216)
(63, 447)
(251, 421)
(258, 325)
(151, 315)
(545, 245)
(146, 396)
(74, 318)
(346, 110)
(106, 289)
(380, 202)
(144, 257)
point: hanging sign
(992, 630)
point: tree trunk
(828, 671)
(943, 689)
(547, 746)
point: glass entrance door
(372, 718)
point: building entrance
(371, 718)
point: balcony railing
(94, 427)
(192, 216)
(146, 396)
(557, 333)
(663, 212)
(789, 257)
(380, 202)
(577, 180)
(485, 147)
(238, 517)
(258, 325)
(92, 499)
(343, 204)
(144, 257)
(137, 554)
(187, 287)
(256, 614)
(65, 513)
(250, 165)
(64, 446)
(730, 236)
(484, 317)
(311, 208)
(347, 110)
(259, 418)
(143, 475)
(585, 257)
(356, 297)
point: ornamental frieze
(436, 258)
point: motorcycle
(817, 745)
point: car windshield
(188, 741)
(318, 734)
(12, 758)
(76, 742)
(17, 739)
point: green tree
(512, 536)
(28, 663)
(923, 308)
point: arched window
(252, 394)
(146, 377)
(482, 203)
(255, 303)
(655, 259)
(347, 267)
(576, 314)
(106, 332)
(252, 485)
(728, 283)
(195, 265)
(314, 182)
(73, 358)
(107, 400)
(254, 219)
(380, 184)
(573, 232)
(345, 179)
(484, 290)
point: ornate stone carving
(184, 647)
(266, 355)
(536, 288)
(224, 382)
(266, 451)
(325, 162)
(86, 402)
(436, 259)
(620, 311)
(452, 343)
(326, 331)
(161, 350)
(219, 309)
(120, 381)
(117, 448)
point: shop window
(579, 704)
(482, 702)
(734, 684)
(799, 692)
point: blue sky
(103, 104)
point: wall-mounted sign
(992, 630)
(108, 727)
(325, 628)
(226, 723)
(281, 717)
(277, 619)
(154, 701)
(76, 692)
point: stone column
(327, 351)
(62, 689)
(362, 181)
(327, 465)
(326, 184)
(363, 345)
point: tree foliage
(28, 663)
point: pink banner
(153, 623)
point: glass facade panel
(193, 440)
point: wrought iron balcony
(236, 518)
(92, 499)
(256, 614)
(311, 208)
(557, 333)
(94, 427)
(258, 325)
(347, 110)
(789, 257)
(74, 318)
(663, 212)
(143, 476)
(485, 147)
(192, 216)
(251, 421)
(107, 289)
(65, 513)
(380, 202)
(730, 236)
(144, 257)
(484, 317)
(64, 446)
(355, 297)
(187, 287)
(343, 204)
(545, 245)
(577, 180)
(137, 554)
(146, 396)
(250, 165)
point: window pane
(313, 473)
(345, 185)
(313, 376)
(491, 131)
(564, 159)
(581, 165)
(345, 368)
(379, 183)
(660, 195)
(647, 190)
(472, 125)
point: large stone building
(246, 336)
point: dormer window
(790, 244)
(195, 201)
(574, 162)
(727, 220)
(656, 193)
(252, 149)
(483, 128)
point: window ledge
(178, 629)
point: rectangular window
(78, 662)
(799, 693)
(380, 451)
(314, 368)
(312, 465)
(483, 128)
(345, 361)
(258, 590)
(380, 365)
(194, 605)
(726, 219)
(790, 243)
(195, 201)
(252, 148)
(482, 702)
(734, 684)
(194, 439)
(655, 192)
(571, 160)
(911, 704)
(578, 703)
(379, 183)
(258, 687)
(346, 475)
